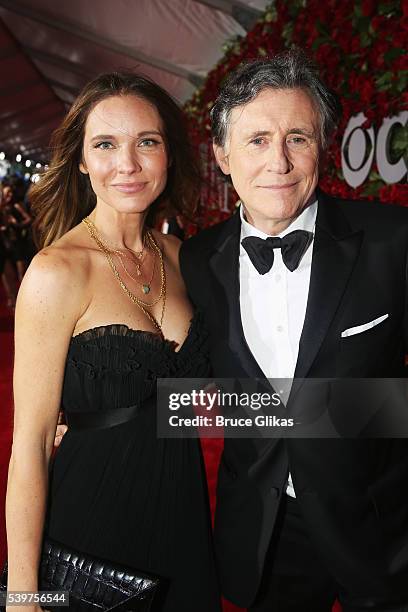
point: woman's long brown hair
(63, 196)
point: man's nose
(128, 161)
(278, 159)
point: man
(302, 522)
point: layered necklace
(137, 258)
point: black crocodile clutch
(92, 584)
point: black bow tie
(293, 245)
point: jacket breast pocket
(365, 328)
(367, 336)
(371, 349)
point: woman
(6, 269)
(18, 222)
(14, 225)
(102, 312)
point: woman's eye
(258, 141)
(104, 145)
(149, 142)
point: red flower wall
(359, 46)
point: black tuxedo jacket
(353, 493)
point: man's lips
(277, 187)
(129, 187)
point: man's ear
(222, 158)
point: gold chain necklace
(145, 286)
(94, 233)
(134, 256)
(140, 303)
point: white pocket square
(352, 331)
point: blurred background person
(16, 224)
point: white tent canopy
(59, 46)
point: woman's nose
(128, 161)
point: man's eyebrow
(294, 130)
(256, 134)
(139, 135)
(303, 131)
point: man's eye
(258, 141)
(297, 140)
(104, 145)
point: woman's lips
(129, 187)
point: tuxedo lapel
(224, 264)
(335, 253)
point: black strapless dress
(121, 493)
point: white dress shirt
(273, 305)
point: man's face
(272, 154)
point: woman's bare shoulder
(61, 269)
(76, 239)
(68, 254)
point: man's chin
(280, 210)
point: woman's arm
(25, 217)
(48, 306)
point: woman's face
(124, 153)
(7, 194)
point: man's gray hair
(288, 70)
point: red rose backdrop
(359, 47)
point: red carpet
(6, 359)
(212, 448)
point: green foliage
(384, 81)
(398, 142)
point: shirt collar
(305, 221)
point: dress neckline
(123, 330)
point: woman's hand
(61, 430)
(34, 608)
